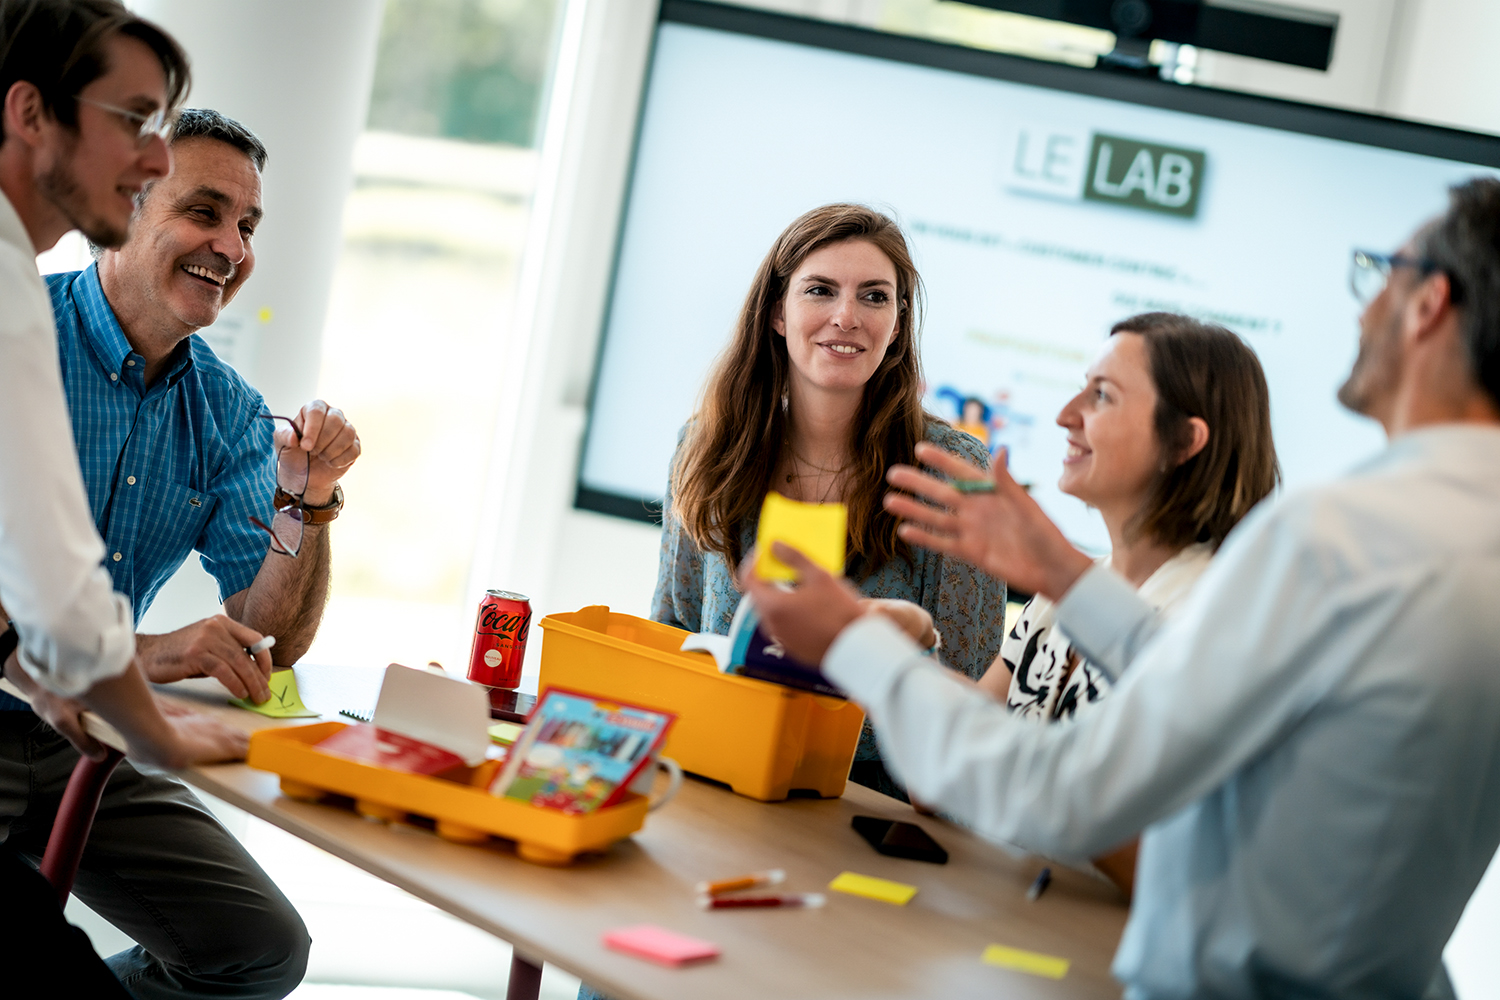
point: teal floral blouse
(697, 592)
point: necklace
(796, 474)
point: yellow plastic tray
(464, 814)
(763, 740)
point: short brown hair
(1203, 370)
(59, 47)
(736, 438)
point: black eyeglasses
(158, 123)
(1369, 272)
(292, 464)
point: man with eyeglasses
(179, 455)
(1312, 745)
(74, 76)
(176, 447)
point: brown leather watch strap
(312, 515)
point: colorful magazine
(580, 753)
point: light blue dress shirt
(1311, 745)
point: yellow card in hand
(1021, 960)
(817, 530)
(284, 703)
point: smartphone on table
(900, 840)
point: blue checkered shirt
(172, 468)
(178, 466)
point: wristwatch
(312, 515)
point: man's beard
(62, 189)
(1374, 372)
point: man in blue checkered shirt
(177, 456)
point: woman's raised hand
(1004, 532)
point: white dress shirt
(1311, 744)
(75, 630)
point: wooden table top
(852, 947)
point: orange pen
(775, 876)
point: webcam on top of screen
(1278, 32)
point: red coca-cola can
(500, 639)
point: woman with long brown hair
(817, 394)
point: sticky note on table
(1020, 960)
(870, 887)
(284, 703)
(817, 530)
(660, 945)
(505, 733)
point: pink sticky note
(660, 945)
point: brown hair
(59, 46)
(735, 440)
(1203, 370)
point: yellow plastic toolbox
(463, 813)
(763, 740)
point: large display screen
(1043, 203)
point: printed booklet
(748, 651)
(580, 753)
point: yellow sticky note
(505, 733)
(1021, 960)
(870, 887)
(817, 530)
(284, 703)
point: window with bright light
(416, 344)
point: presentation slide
(1038, 218)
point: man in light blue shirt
(1312, 745)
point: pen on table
(796, 900)
(755, 880)
(1043, 879)
(264, 644)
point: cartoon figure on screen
(1010, 428)
(996, 425)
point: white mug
(645, 782)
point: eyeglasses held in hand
(292, 465)
(158, 123)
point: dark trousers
(161, 868)
(43, 954)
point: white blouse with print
(1038, 653)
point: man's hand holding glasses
(313, 451)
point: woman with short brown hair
(1170, 440)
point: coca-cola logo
(496, 622)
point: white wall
(297, 74)
(305, 92)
